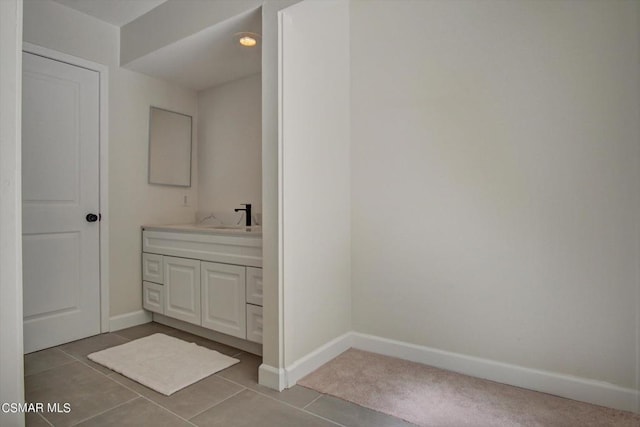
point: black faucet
(247, 211)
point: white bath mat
(163, 363)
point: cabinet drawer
(228, 249)
(152, 270)
(254, 323)
(254, 285)
(153, 297)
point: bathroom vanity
(208, 276)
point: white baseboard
(128, 320)
(585, 390)
(312, 361)
(271, 377)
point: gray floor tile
(352, 415)
(144, 330)
(45, 359)
(296, 395)
(213, 345)
(87, 391)
(190, 400)
(252, 409)
(81, 348)
(54, 375)
(139, 412)
(153, 328)
(246, 373)
(92, 344)
(34, 420)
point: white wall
(132, 202)
(314, 176)
(11, 349)
(230, 146)
(495, 171)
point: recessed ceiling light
(248, 41)
(246, 38)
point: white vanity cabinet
(213, 280)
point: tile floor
(232, 397)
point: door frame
(103, 175)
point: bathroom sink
(223, 227)
(255, 228)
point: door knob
(91, 217)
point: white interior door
(60, 187)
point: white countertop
(254, 231)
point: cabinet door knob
(91, 217)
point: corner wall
(495, 171)
(132, 201)
(273, 346)
(314, 177)
(11, 348)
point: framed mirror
(169, 148)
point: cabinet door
(152, 268)
(254, 285)
(223, 298)
(182, 289)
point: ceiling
(208, 58)
(116, 12)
